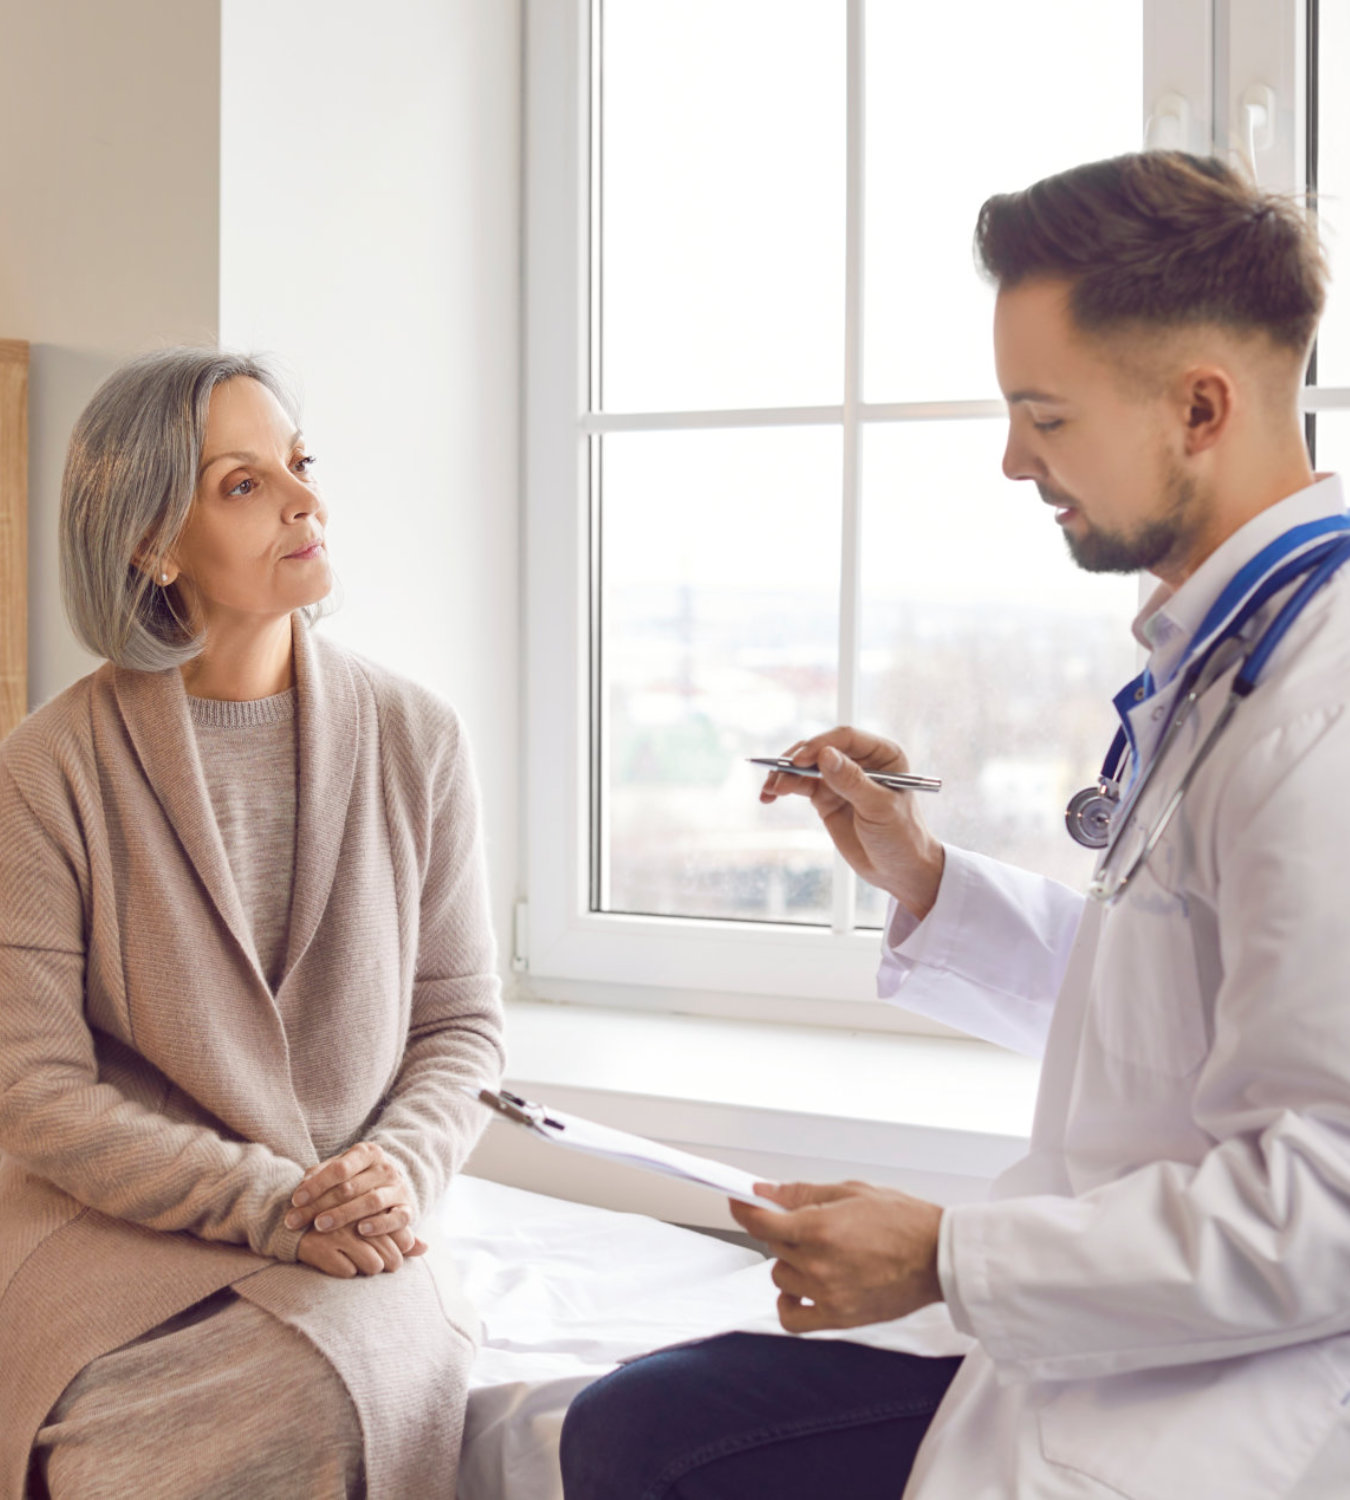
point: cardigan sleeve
(58, 1119)
(429, 1124)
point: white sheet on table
(567, 1292)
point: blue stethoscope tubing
(1095, 813)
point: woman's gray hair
(129, 483)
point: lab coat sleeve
(989, 957)
(1246, 1248)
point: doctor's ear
(1206, 400)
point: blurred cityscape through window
(720, 281)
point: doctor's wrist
(916, 884)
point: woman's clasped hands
(359, 1209)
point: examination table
(566, 1292)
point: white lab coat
(1161, 1290)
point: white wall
(109, 140)
(370, 189)
(338, 184)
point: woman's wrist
(283, 1241)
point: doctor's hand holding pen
(880, 832)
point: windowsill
(934, 1116)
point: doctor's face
(253, 546)
(1097, 443)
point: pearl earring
(164, 578)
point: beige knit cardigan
(154, 1114)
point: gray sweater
(248, 756)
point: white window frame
(564, 950)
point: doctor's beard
(1150, 544)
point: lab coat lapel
(328, 728)
(154, 709)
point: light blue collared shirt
(1170, 619)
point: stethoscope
(1313, 551)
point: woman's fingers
(364, 1156)
(369, 1259)
(396, 1218)
(325, 1255)
(359, 1201)
(369, 1264)
(357, 1194)
(391, 1257)
(345, 1254)
(364, 1206)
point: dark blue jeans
(748, 1415)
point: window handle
(1257, 114)
(1169, 124)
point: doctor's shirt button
(1139, 695)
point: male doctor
(1157, 1299)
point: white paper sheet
(577, 1134)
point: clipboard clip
(522, 1111)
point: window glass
(964, 101)
(986, 652)
(1333, 190)
(1333, 445)
(720, 609)
(722, 245)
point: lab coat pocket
(1153, 1012)
(1243, 1429)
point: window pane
(1333, 443)
(985, 651)
(720, 641)
(723, 203)
(964, 101)
(1333, 187)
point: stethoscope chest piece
(1088, 815)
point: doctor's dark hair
(1159, 240)
(129, 483)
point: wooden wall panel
(13, 533)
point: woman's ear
(160, 570)
(1206, 400)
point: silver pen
(901, 782)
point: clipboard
(586, 1136)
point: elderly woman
(246, 985)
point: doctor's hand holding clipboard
(881, 833)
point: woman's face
(253, 545)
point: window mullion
(1260, 47)
(1179, 101)
(850, 569)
